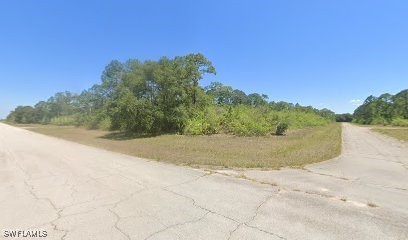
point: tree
(239, 97)
(165, 96)
(195, 66)
(62, 104)
(400, 105)
(112, 76)
(383, 109)
(220, 93)
(22, 114)
(364, 114)
(255, 99)
(344, 117)
(167, 90)
(328, 114)
(42, 112)
(91, 100)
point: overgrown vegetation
(164, 96)
(386, 109)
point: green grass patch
(296, 149)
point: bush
(379, 121)
(104, 124)
(247, 121)
(281, 128)
(260, 121)
(401, 122)
(70, 120)
(205, 122)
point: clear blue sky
(319, 53)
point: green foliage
(401, 122)
(65, 120)
(97, 120)
(220, 93)
(104, 124)
(344, 117)
(159, 96)
(297, 120)
(400, 104)
(281, 128)
(379, 121)
(383, 109)
(249, 121)
(165, 96)
(128, 113)
(205, 122)
(22, 114)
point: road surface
(73, 191)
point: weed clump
(281, 128)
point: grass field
(397, 132)
(296, 149)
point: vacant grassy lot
(398, 133)
(298, 148)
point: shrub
(258, 121)
(70, 120)
(247, 121)
(400, 122)
(104, 124)
(205, 122)
(281, 128)
(379, 121)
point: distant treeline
(385, 109)
(344, 117)
(164, 96)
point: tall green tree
(400, 105)
(112, 76)
(195, 66)
(220, 93)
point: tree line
(165, 96)
(385, 109)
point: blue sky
(319, 53)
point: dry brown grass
(396, 132)
(298, 148)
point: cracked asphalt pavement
(78, 192)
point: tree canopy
(385, 109)
(166, 96)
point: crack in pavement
(247, 223)
(201, 207)
(118, 217)
(57, 210)
(31, 191)
(327, 175)
(177, 225)
(103, 198)
(115, 205)
(73, 189)
(267, 232)
(218, 214)
(280, 188)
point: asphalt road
(78, 192)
